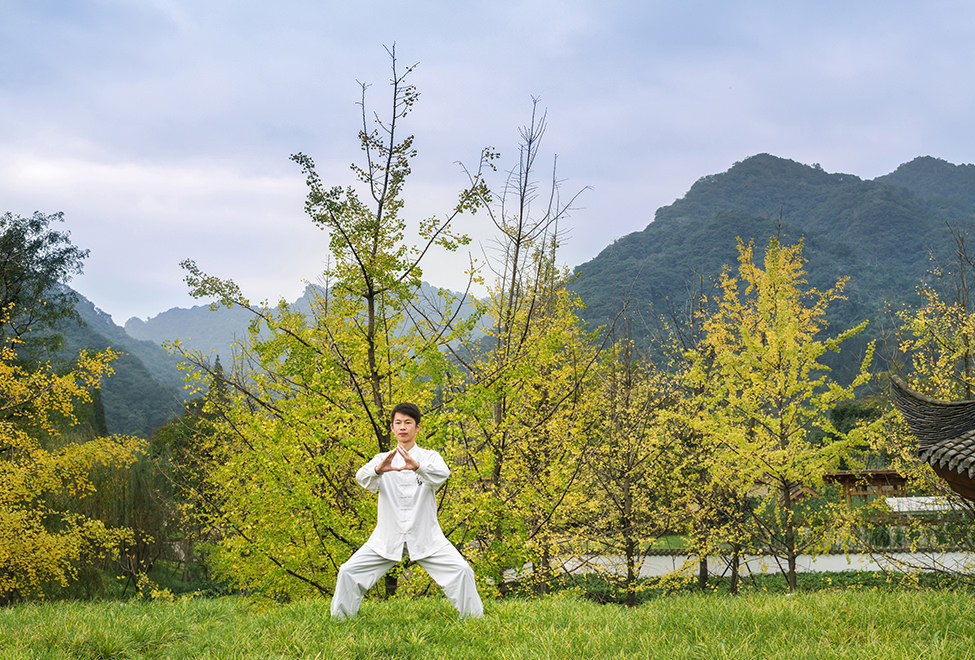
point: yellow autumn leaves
(42, 543)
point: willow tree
(766, 407)
(309, 394)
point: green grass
(838, 623)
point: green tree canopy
(35, 260)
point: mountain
(146, 389)
(211, 332)
(157, 361)
(936, 180)
(881, 233)
(214, 332)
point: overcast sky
(162, 128)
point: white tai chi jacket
(407, 513)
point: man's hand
(387, 463)
(411, 463)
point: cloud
(162, 128)
(141, 219)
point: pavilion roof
(945, 430)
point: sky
(162, 129)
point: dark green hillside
(880, 235)
(145, 390)
(159, 363)
(935, 179)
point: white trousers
(446, 566)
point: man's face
(404, 428)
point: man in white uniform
(406, 479)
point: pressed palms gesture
(387, 463)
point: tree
(933, 352)
(47, 464)
(632, 459)
(938, 335)
(183, 457)
(43, 540)
(35, 261)
(710, 515)
(516, 423)
(769, 392)
(309, 394)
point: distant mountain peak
(934, 178)
(762, 185)
(881, 233)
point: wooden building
(860, 486)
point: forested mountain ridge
(880, 233)
(935, 179)
(146, 389)
(214, 332)
(198, 328)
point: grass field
(839, 623)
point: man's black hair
(408, 409)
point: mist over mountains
(883, 234)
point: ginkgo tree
(938, 335)
(632, 463)
(936, 356)
(308, 396)
(516, 427)
(767, 392)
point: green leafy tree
(309, 394)
(35, 261)
(182, 451)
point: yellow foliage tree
(938, 335)
(632, 462)
(309, 394)
(935, 338)
(764, 392)
(43, 544)
(517, 432)
(517, 440)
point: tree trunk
(735, 564)
(390, 582)
(790, 536)
(630, 573)
(188, 551)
